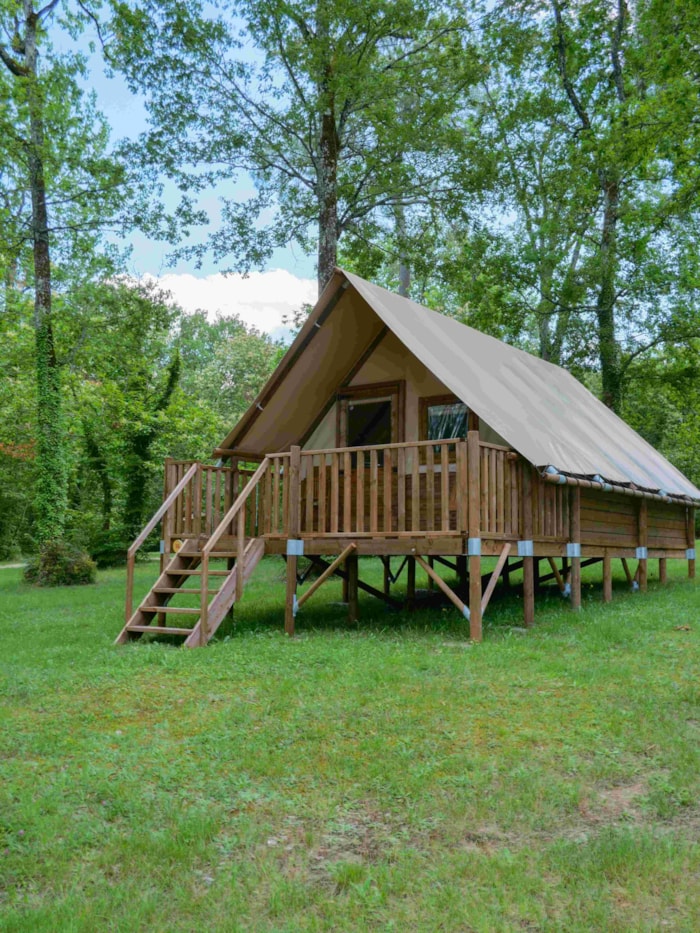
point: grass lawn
(386, 776)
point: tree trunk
(327, 200)
(608, 349)
(51, 473)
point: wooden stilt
(351, 565)
(474, 518)
(575, 537)
(690, 539)
(289, 609)
(386, 561)
(528, 562)
(431, 584)
(662, 570)
(411, 584)
(642, 519)
(607, 577)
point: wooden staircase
(156, 610)
(158, 615)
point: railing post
(197, 501)
(474, 546)
(293, 525)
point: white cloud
(261, 300)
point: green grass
(385, 776)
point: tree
(309, 111)
(58, 185)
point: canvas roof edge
(328, 299)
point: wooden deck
(460, 498)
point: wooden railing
(392, 489)
(410, 488)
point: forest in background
(530, 168)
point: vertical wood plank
(294, 520)
(444, 487)
(388, 491)
(335, 491)
(360, 493)
(352, 569)
(347, 492)
(411, 584)
(493, 491)
(310, 488)
(415, 488)
(277, 480)
(284, 466)
(501, 494)
(401, 487)
(431, 524)
(322, 479)
(373, 491)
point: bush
(60, 564)
(108, 548)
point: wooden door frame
(395, 392)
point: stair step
(159, 629)
(185, 573)
(169, 609)
(175, 589)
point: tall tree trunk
(608, 349)
(51, 474)
(404, 268)
(327, 200)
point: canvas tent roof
(541, 410)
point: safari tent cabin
(394, 431)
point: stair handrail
(236, 510)
(145, 532)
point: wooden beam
(662, 570)
(628, 573)
(330, 569)
(494, 577)
(555, 573)
(451, 595)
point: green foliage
(59, 563)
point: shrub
(60, 564)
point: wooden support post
(628, 573)
(557, 576)
(494, 577)
(607, 577)
(528, 562)
(411, 584)
(386, 561)
(462, 571)
(643, 537)
(575, 538)
(474, 518)
(690, 538)
(293, 524)
(351, 566)
(662, 570)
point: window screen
(446, 420)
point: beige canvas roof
(540, 409)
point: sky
(263, 299)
